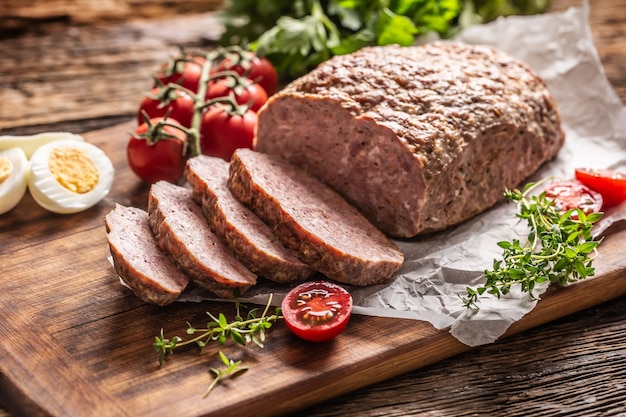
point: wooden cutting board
(77, 343)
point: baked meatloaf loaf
(148, 272)
(181, 231)
(314, 222)
(246, 235)
(418, 138)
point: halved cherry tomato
(317, 311)
(221, 133)
(259, 70)
(156, 152)
(161, 101)
(611, 184)
(184, 72)
(246, 93)
(573, 194)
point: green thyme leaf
(559, 248)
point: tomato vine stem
(209, 60)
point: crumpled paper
(438, 268)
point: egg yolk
(6, 167)
(73, 170)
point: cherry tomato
(611, 184)
(222, 133)
(255, 68)
(162, 101)
(157, 153)
(317, 311)
(574, 194)
(186, 73)
(248, 93)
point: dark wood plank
(571, 365)
(94, 76)
(26, 15)
(22, 337)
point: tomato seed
(313, 307)
(311, 315)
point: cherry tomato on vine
(156, 151)
(573, 194)
(258, 69)
(317, 311)
(250, 93)
(159, 102)
(221, 133)
(611, 184)
(186, 73)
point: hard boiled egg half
(68, 176)
(13, 177)
(30, 143)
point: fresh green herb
(296, 35)
(231, 368)
(558, 248)
(241, 331)
(483, 11)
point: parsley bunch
(558, 248)
(296, 35)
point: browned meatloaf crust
(149, 273)
(312, 220)
(418, 138)
(181, 231)
(247, 236)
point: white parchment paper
(439, 267)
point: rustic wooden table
(81, 78)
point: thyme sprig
(231, 368)
(242, 331)
(559, 248)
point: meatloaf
(418, 138)
(149, 273)
(312, 220)
(181, 231)
(247, 236)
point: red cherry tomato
(157, 154)
(251, 93)
(186, 73)
(573, 194)
(159, 102)
(255, 68)
(317, 311)
(611, 184)
(222, 133)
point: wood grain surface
(20, 16)
(67, 323)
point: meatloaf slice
(312, 220)
(247, 236)
(181, 231)
(149, 273)
(418, 138)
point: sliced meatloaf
(181, 231)
(418, 138)
(312, 220)
(247, 236)
(149, 273)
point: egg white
(30, 143)
(14, 187)
(51, 195)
